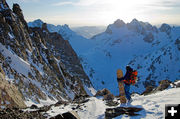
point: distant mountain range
(153, 51)
(89, 31)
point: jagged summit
(134, 21)
(36, 23)
(134, 25)
(119, 23)
(3, 5)
(165, 28)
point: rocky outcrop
(177, 43)
(17, 10)
(119, 23)
(165, 28)
(9, 94)
(81, 99)
(178, 85)
(106, 94)
(164, 84)
(149, 38)
(16, 113)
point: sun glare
(123, 9)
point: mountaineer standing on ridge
(129, 78)
(127, 82)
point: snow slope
(154, 106)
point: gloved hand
(120, 79)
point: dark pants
(127, 88)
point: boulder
(67, 115)
(112, 103)
(34, 107)
(102, 92)
(164, 84)
(109, 97)
(178, 85)
(105, 93)
(114, 112)
(60, 102)
(81, 99)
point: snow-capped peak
(36, 23)
(119, 23)
(134, 21)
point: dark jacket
(127, 76)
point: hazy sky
(100, 12)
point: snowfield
(154, 106)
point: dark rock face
(177, 43)
(108, 30)
(17, 10)
(164, 84)
(119, 23)
(178, 85)
(50, 60)
(165, 28)
(149, 38)
(44, 27)
(16, 113)
(114, 112)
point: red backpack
(133, 78)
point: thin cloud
(79, 3)
(165, 4)
(63, 3)
(29, 0)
